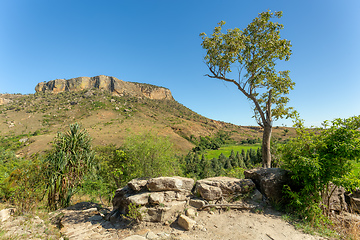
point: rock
(139, 199)
(270, 181)
(24, 140)
(353, 201)
(217, 187)
(163, 213)
(190, 212)
(115, 86)
(95, 218)
(6, 213)
(337, 199)
(256, 196)
(156, 198)
(150, 235)
(186, 222)
(170, 184)
(196, 203)
(137, 184)
(120, 201)
(208, 192)
(135, 237)
(4, 101)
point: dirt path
(86, 221)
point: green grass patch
(226, 150)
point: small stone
(135, 237)
(150, 235)
(186, 222)
(190, 212)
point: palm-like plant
(71, 158)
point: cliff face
(111, 84)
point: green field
(226, 150)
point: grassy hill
(28, 123)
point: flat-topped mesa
(111, 84)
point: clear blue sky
(157, 42)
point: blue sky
(157, 42)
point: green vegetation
(254, 51)
(317, 158)
(226, 150)
(66, 166)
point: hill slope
(32, 121)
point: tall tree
(254, 51)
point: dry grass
(109, 119)
(347, 225)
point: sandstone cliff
(111, 84)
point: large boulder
(270, 181)
(170, 184)
(218, 187)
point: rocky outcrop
(160, 198)
(4, 100)
(106, 83)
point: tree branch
(248, 95)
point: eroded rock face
(217, 187)
(106, 83)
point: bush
(149, 155)
(316, 158)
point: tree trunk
(266, 155)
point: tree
(254, 51)
(71, 158)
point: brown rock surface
(106, 83)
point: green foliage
(26, 185)
(211, 142)
(316, 158)
(150, 155)
(134, 213)
(195, 167)
(254, 51)
(67, 164)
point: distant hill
(30, 122)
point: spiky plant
(71, 158)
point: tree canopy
(254, 52)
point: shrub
(150, 155)
(317, 157)
(67, 164)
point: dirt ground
(234, 225)
(85, 221)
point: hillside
(32, 121)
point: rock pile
(160, 198)
(163, 199)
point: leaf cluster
(254, 51)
